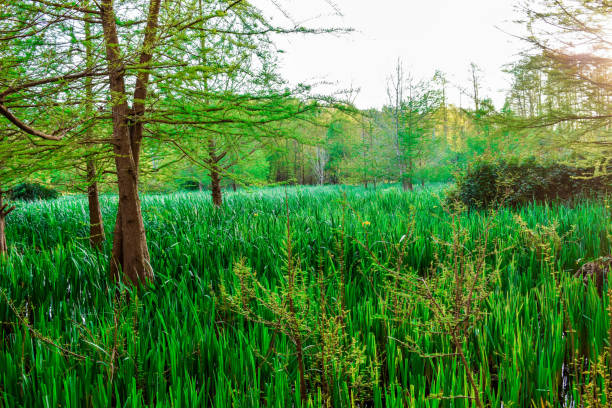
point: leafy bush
(32, 192)
(190, 185)
(486, 184)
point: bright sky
(426, 35)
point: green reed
(175, 345)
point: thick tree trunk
(96, 224)
(215, 186)
(130, 251)
(130, 255)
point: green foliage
(190, 185)
(178, 346)
(32, 192)
(485, 184)
(562, 85)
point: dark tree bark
(3, 246)
(130, 255)
(5, 210)
(215, 184)
(96, 224)
(215, 173)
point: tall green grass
(175, 348)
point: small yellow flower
(255, 215)
(365, 224)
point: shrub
(32, 192)
(486, 184)
(190, 185)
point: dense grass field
(70, 338)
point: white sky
(426, 35)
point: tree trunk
(215, 177)
(215, 184)
(407, 178)
(234, 187)
(130, 251)
(130, 255)
(4, 211)
(3, 246)
(407, 183)
(303, 171)
(96, 224)
(402, 171)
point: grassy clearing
(173, 345)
